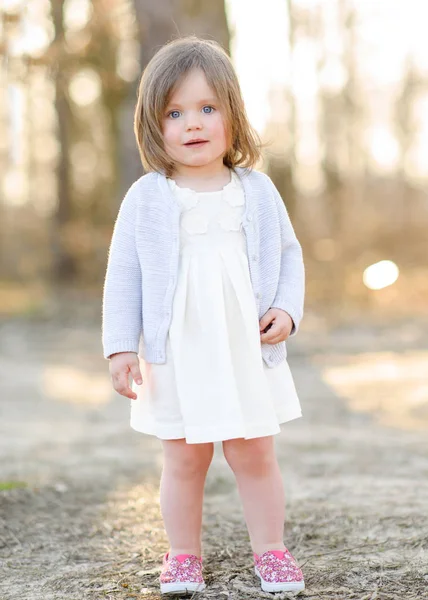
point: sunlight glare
(380, 275)
(384, 148)
(85, 87)
(304, 61)
(416, 161)
(34, 42)
(77, 13)
(11, 5)
(260, 53)
(333, 76)
(15, 187)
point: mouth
(196, 143)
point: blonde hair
(166, 69)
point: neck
(205, 177)
(213, 170)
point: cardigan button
(249, 218)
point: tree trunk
(64, 267)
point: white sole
(292, 586)
(181, 587)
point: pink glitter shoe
(278, 572)
(181, 573)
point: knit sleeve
(122, 292)
(291, 288)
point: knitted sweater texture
(143, 262)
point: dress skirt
(214, 384)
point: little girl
(205, 282)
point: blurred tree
(282, 133)
(406, 130)
(95, 46)
(102, 55)
(64, 265)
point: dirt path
(87, 522)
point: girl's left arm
(291, 288)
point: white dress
(214, 385)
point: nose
(193, 121)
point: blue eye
(211, 109)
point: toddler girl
(205, 282)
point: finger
(136, 374)
(278, 339)
(265, 320)
(274, 335)
(264, 323)
(267, 328)
(265, 338)
(121, 385)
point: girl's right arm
(122, 293)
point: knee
(188, 460)
(255, 456)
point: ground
(79, 488)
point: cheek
(219, 128)
(170, 134)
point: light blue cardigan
(144, 255)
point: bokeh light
(380, 275)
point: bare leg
(261, 490)
(181, 493)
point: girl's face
(193, 112)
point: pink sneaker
(278, 572)
(181, 573)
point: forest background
(338, 89)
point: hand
(282, 324)
(121, 364)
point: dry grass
(88, 525)
(64, 545)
